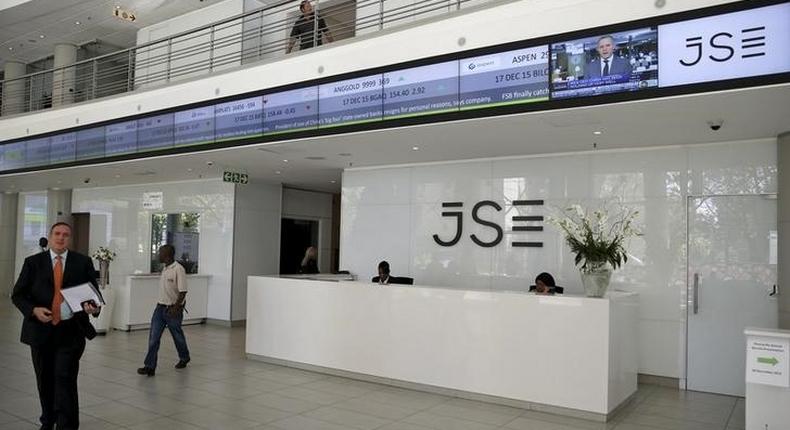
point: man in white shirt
(169, 312)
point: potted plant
(598, 240)
(104, 256)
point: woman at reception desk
(470, 343)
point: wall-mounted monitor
(155, 132)
(194, 126)
(121, 138)
(605, 63)
(290, 111)
(351, 101)
(37, 152)
(63, 148)
(730, 46)
(90, 143)
(506, 78)
(238, 119)
(421, 90)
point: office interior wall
(123, 225)
(31, 225)
(500, 23)
(783, 221)
(392, 213)
(146, 59)
(256, 238)
(8, 231)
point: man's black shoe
(146, 371)
(182, 364)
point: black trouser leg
(44, 365)
(67, 367)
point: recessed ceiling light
(77, 22)
(597, 132)
(345, 154)
(189, 170)
(334, 182)
(10, 48)
(117, 6)
(41, 36)
(277, 172)
(285, 161)
(415, 148)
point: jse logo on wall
(458, 214)
(735, 45)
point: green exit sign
(236, 178)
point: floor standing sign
(767, 379)
(766, 361)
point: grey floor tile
(18, 425)
(254, 412)
(440, 422)
(370, 407)
(164, 423)
(403, 426)
(299, 422)
(119, 413)
(349, 419)
(320, 397)
(213, 419)
(284, 403)
(526, 423)
(475, 411)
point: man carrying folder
(55, 333)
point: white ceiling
(22, 26)
(747, 114)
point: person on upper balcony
(310, 28)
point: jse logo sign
(458, 214)
(735, 45)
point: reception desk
(562, 354)
(136, 299)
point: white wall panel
(376, 222)
(128, 229)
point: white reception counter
(562, 354)
(136, 299)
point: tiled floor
(222, 390)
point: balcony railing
(253, 36)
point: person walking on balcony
(309, 29)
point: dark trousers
(57, 364)
(159, 320)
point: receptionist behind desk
(384, 274)
(385, 278)
(309, 266)
(544, 284)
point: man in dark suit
(56, 335)
(607, 63)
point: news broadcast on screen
(603, 64)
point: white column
(783, 220)
(8, 217)
(63, 80)
(58, 206)
(13, 89)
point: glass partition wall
(180, 230)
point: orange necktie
(57, 299)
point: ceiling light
(415, 148)
(117, 6)
(277, 172)
(41, 36)
(77, 22)
(334, 182)
(10, 48)
(189, 170)
(345, 154)
(55, 189)
(597, 132)
(285, 161)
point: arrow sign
(768, 360)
